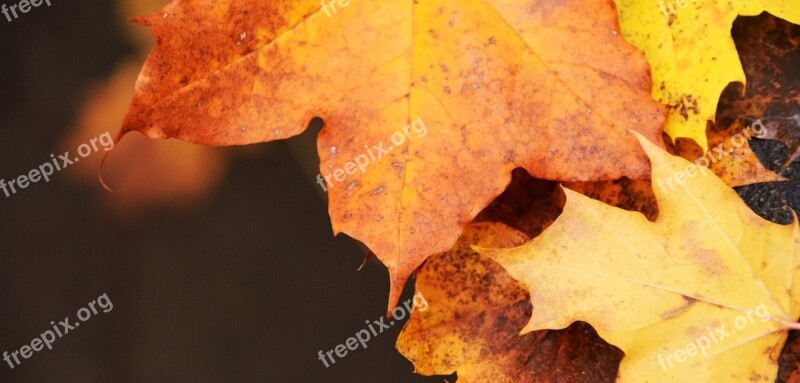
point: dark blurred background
(245, 283)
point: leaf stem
(790, 325)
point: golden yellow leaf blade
(653, 288)
(691, 53)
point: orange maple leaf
(495, 84)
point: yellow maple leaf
(730, 156)
(703, 294)
(691, 53)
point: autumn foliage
(571, 98)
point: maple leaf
(530, 204)
(496, 85)
(705, 293)
(693, 58)
(474, 316)
(790, 360)
(478, 309)
(770, 51)
(633, 195)
(730, 156)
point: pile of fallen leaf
(536, 200)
